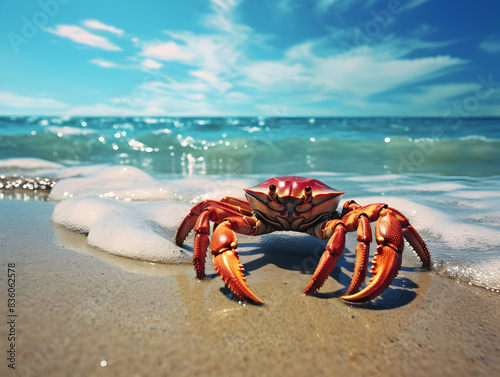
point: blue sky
(250, 58)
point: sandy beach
(83, 312)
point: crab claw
(385, 266)
(227, 263)
(228, 266)
(387, 260)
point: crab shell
(293, 203)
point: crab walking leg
(364, 236)
(185, 227)
(240, 205)
(412, 236)
(199, 221)
(352, 210)
(225, 257)
(327, 262)
(387, 260)
(243, 205)
(202, 229)
(190, 220)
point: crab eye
(272, 188)
(308, 189)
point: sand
(84, 312)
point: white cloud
(221, 86)
(169, 51)
(270, 73)
(366, 75)
(104, 63)
(98, 25)
(414, 3)
(80, 35)
(323, 5)
(223, 17)
(16, 101)
(204, 75)
(321, 73)
(225, 4)
(491, 44)
(236, 96)
(151, 64)
(171, 86)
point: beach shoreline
(82, 311)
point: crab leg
(387, 260)
(412, 236)
(190, 220)
(202, 229)
(243, 205)
(225, 257)
(199, 221)
(364, 236)
(329, 259)
(352, 210)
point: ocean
(135, 178)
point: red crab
(302, 205)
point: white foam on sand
(119, 208)
(142, 231)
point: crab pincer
(227, 262)
(387, 260)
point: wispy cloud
(79, 35)
(151, 64)
(414, 3)
(104, 63)
(491, 44)
(98, 25)
(169, 51)
(324, 5)
(204, 75)
(30, 102)
(221, 85)
(309, 71)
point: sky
(355, 58)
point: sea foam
(119, 208)
(142, 231)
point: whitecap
(66, 130)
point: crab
(303, 205)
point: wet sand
(84, 312)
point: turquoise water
(467, 147)
(444, 175)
